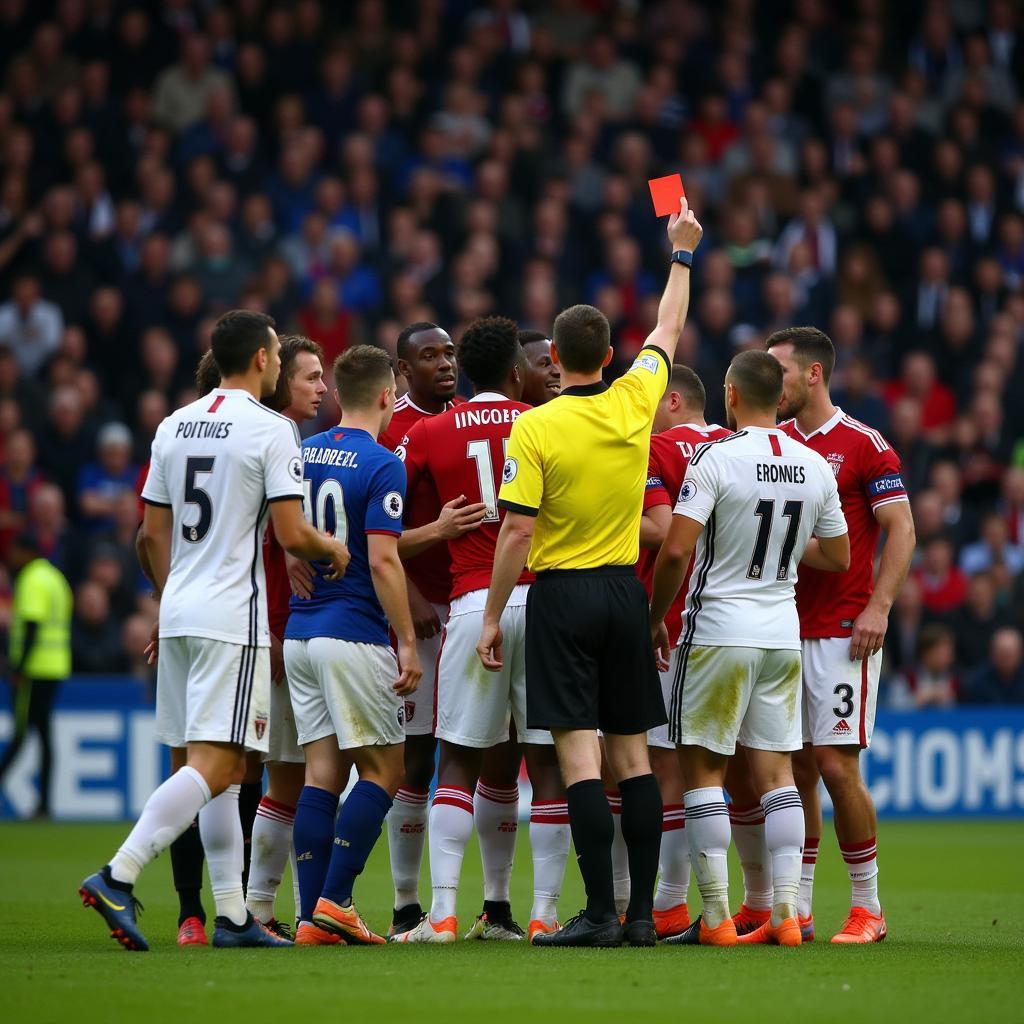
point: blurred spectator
(30, 326)
(101, 483)
(975, 622)
(95, 633)
(20, 478)
(1001, 679)
(943, 585)
(65, 442)
(183, 89)
(919, 380)
(932, 682)
(993, 549)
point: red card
(665, 193)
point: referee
(572, 491)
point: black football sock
(641, 829)
(498, 911)
(590, 819)
(249, 796)
(187, 868)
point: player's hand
(868, 633)
(489, 647)
(425, 621)
(339, 558)
(662, 645)
(411, 671)
(300, 576)
(458, 518)
(152, 649)
(684, 230)
(276, 660)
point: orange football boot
(192, 932)
(785, 934)
(538, 927)
(310, 935)
(672, 921)
(346, 923)
(747, 920)
(806, 927)
(861, 927)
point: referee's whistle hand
(489, 647)
(662, 647)
(684, 230)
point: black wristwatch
(682, 256)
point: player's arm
(669, 573)
(829, 554)
(684, 233)
(456, 519)
(303, 540)
(869, 627)
(829, 547)
(389, 583)
(142, 555)
(510, 554)
(155, 542)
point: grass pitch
(955, 951)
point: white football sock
(862, 867)
(170, 810)
(620, 854)
(784, 837)
(674, 860)
(407, 829)
(549, 844)
(748, 835)
(810, 860)
(496, 817)
(451, 825)
(271, 845)
(221, 832)
(707, 826)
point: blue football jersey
(352, 487)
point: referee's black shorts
(589, 659)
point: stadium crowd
(354, 168)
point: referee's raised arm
(572, 495)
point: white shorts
(419, 707)
(474, 705)
(840, 695)
(284, 739)
(728, 695)
(344, 689)
(658, 736)
(212, 691)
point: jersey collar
(828, 425)
(586, 390)
(409, 401)
(489, 396)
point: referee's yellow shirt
(579, 464)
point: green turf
(955, 951)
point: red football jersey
(279, 590)
(430, 571)
(671, 451)
(462, 451)
(869, 476)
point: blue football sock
(359, 825)
(313, 835)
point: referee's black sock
(590, 819)
(187, 868)
(249, 796)
(641, 829)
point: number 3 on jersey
(315, 507)
(480, 453)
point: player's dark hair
(359, 375)
(488, 350)
(809, 346)
(757, 376)
(207, 374)
(405, 336)
(291, 346)
(689, 386)
(237, 336)
(530, 336)
(582, 336)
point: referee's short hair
(488, 350)
(237, 336)
(582, 336)
(359, 375)
(690, 387)
(809, 346)
(757, 376)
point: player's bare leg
(407, 829)
(187, 871)
(450, 829)
(620, 855)
(747, 821)
(549, 836)
(272, 840)
(856, 829)
(671, 913)
(496, 818)
(805, 771)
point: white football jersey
(216, 464)
(760, 495)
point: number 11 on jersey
(480, 453)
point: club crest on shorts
(401, 715)
(508, 474)
(261, 726)
(393, 504)
(410, 712)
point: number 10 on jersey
(314, 507)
